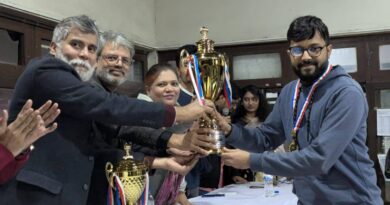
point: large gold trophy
(208, 72)
(131, 175)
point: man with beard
(113, 68)
(60, 168)
(328, 156)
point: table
(241, 194)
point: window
(345, 57)
(10, 49)
(384, 57)
(258, 66)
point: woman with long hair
(251, 111)
(253, 107)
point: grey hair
(116, 39)
(82, 22)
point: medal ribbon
(298, 121)
(196, 78)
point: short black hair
(191, 48)
(305, 27)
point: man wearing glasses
(322, 116)
(113, 67)
(60, 168)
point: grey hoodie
(332, 165)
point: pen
(213, 195)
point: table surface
(242, 194)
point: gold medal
(292, 146)
(293, 133)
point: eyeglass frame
(105, 57)
(307, 49)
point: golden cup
(131, 174)
(211, 73)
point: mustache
(78, 62)
(306, 63)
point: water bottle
(268, 185)
(150, 200)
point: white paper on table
(383, 122)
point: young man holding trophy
(328, 157)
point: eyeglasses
(115, 59)
(314, 51)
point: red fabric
(170, 116)
(10, 165)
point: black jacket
(60, 167)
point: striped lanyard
(297, 122)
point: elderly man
(60, 167)
(113, 68)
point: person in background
(17, 137)
(187, 96)
(251, 111)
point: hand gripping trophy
(209, 75)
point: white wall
(246, 21)
(134, 18)
(167, 24)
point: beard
(83, 68)
(308, 79)
(104, 75)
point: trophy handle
(110, 174)
(183, 57)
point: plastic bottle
(150, 200)
(268, 185)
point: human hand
(181, 165)
(223, 122)
(192, 112)
(49, 112)
(26, 129)
(194, 142)
(236, 158)
(239, 180)
(179, 152)
(182, 199)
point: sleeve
(145, 136)
(259, 139)
(340, 125)
(58, 82)
(10, 165)
(183, 185)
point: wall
(247, 21)
(134, 18)
(165, 24)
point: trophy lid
(129, 165)
(205, 45)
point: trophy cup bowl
(131, 174)
(211, 73)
